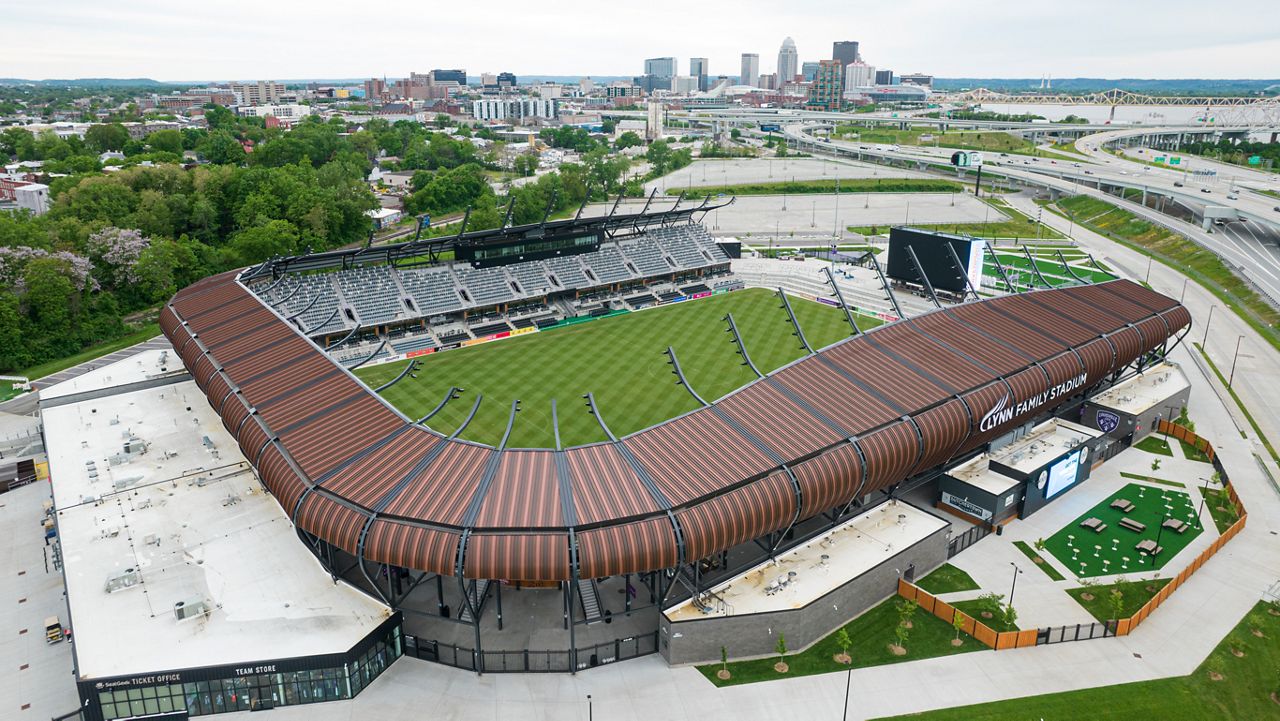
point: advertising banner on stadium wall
(419, 352)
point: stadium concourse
(396, 507)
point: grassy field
(1151, 479)
(1192, 453)
(871, 633)
(619, 359)
(1151, 506)
(1244, 693)
(801, 187)
(992, 141)
(1051, 268)
(146, 332)
(1038, 560)
(977, 606)
(947, 579)
(1133, 596)
(1219, 505)
(1154, 444)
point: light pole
(590, 711)
(1184, 289)
(1234, 358)
(1200, 513)
(1205, 339)
(1014, 587)
(813, 218)
(1147, 280)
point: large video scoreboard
(938, 264)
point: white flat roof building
(1140, 393)
(175, 555)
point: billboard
(938, 265)
(1062, 474)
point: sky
(252, 39)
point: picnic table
(1149, 547)
(1094, 524)
(1122, 505)
(1132, 525)
(1175, 524)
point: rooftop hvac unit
(128, 578)
(183, 610)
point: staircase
(589, 593)
(477, 592)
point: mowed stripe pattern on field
(857, 417)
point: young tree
(1155, 464)
(907, 611)
(844, 642)
(900, 634)
(957, 623)
(781, 648)
(1115, 601)
(1010, 616)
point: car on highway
(1205, 190)
(1088, 172)
(1232, 196)
(1277, 208)
(1075, 165)
(1177, 183)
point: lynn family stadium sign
(1002, 411)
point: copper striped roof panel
(890, 453)
(340, 524)
(325, 441)
(443, 489)
(398, 544)
(757, 508)
(368, 479)
(1121, 304)
(949, 364)
(612, 550)
(828, 480)
(518, 557)
(997, 355)
(895, 380)
(524, 492)
(1045, 316)
(835, 396)
(280, 479)
(785, 426)
(696, 455)
(1099, 319)
(942, 428)
(1099, 357)
(604, 485)
(278, 378)
(1029, 339)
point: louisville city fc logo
(1107, 421)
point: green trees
(524, 164)
(628, 139)
(102, 138)
(663, 159)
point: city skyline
(146, 38)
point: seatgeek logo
(1002, 411)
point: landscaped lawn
(1151, 479)
(947, 579)
(144, 333)
(1219, 505)
(1040, 563)
(871, 634)
(1192, 453)
(1154, 444)
(1243, 694)
(620, 359)
(1115, 543)
(1135, 595)
(976, 607)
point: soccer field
(620, 359)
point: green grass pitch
(621, 360)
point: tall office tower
(884, 77)
(827, 89)
(859, 75)
(660, 67)
(750, 69)
(788, 61)
(845, 51)
(808, 70)
(698, 69)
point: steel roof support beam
(955, 261)
(1035, 267)
(848, 315)
(884, 282)
(804, 343)
(407, 370)
(742, 346)
(304, 310)
(681, 380)
(924, 278)
(369, 357)
(1008, 284)
(1067, 267)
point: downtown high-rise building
(750, 69)
(660, 67)
(808, 70)
(845, 51)
(788, 61)
(858, 74)
(827, 89)
(698, 69)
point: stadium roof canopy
(856, 417)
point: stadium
(658, 501)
